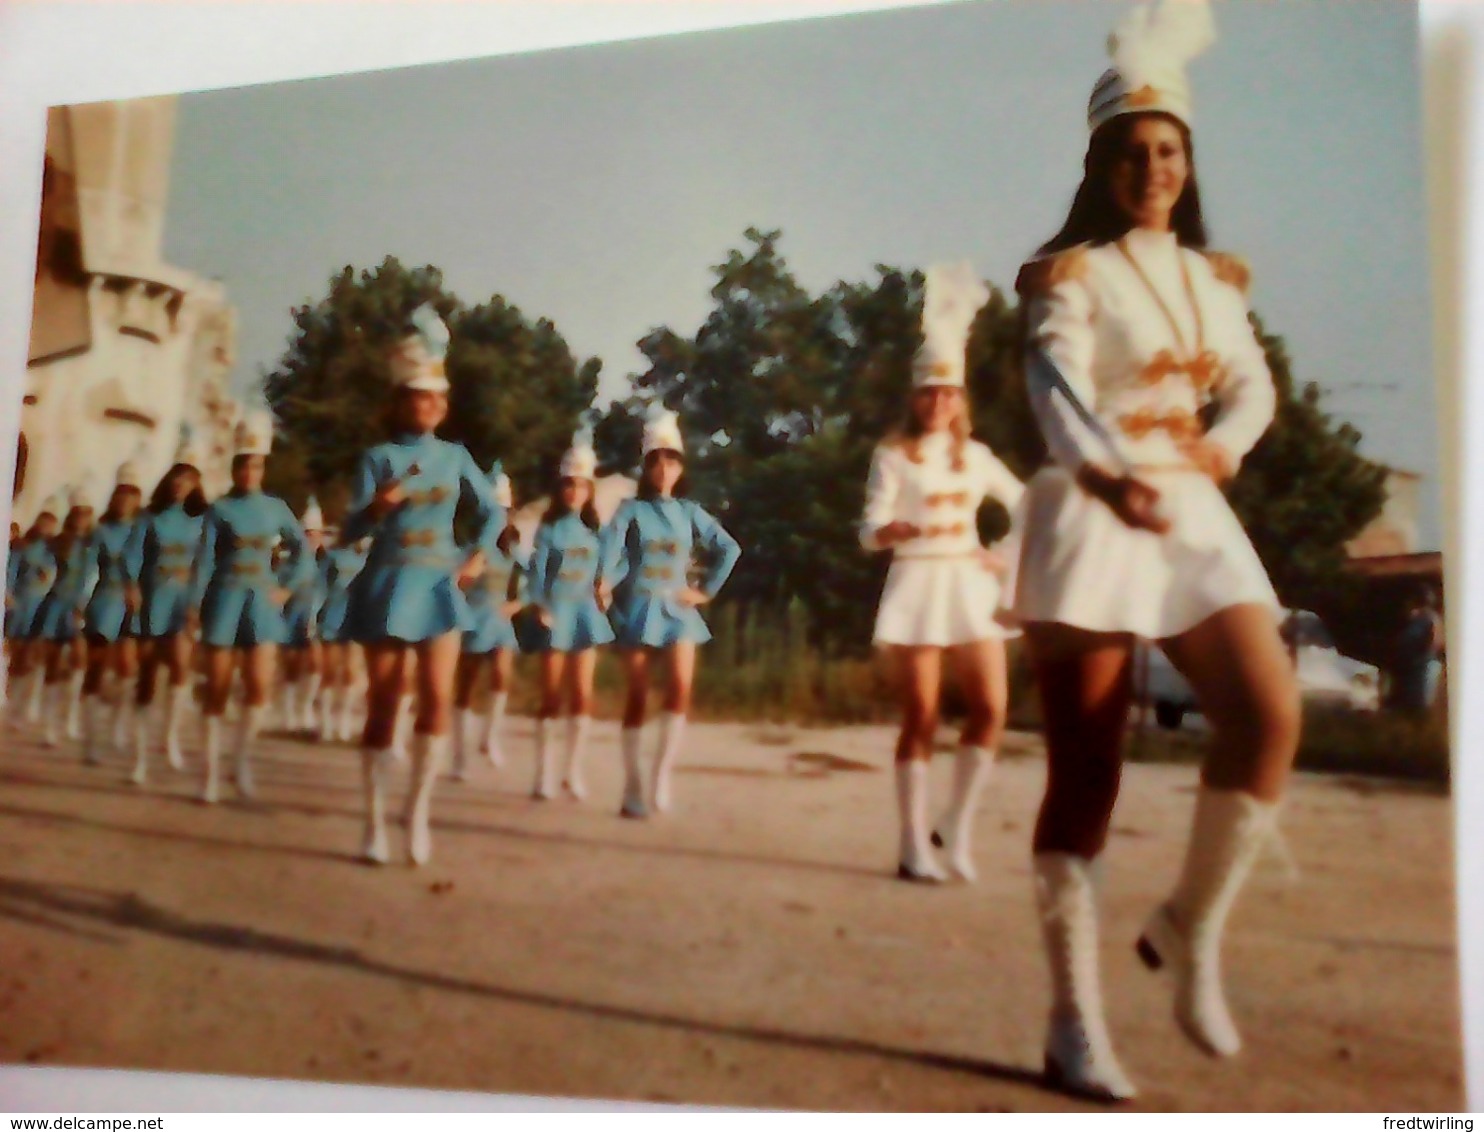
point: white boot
(329, 713)
(347, 722)
(308, 709)
(247, 733)
(1228, 833)
(288, 710)
(92, 726)
(572, 779)
(971, 770)
(406, 717)
(123, 715)
(630, 741)
(672, 730)
(74, 705)
(915, 856)
(544, 790)
(53, 709)
(1079, 1050)
(141, 748)
(375, 769)
(178, 701)
(212, 753)
(494, 727)
(459, 741)
(427, 761)
(35, 691)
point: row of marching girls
(586, 586)
(1150, 387)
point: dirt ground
(751, 949)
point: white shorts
(1083, 566)
(939, 601)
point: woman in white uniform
(943, 593)
(1150, 387)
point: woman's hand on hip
(1135, 502)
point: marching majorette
(168, 538)
(339, 567)
(237, 598)
(31, 571)
(944, 591)
(648, 553)
(569, 625)
(495, 597)
(302, 662)
(1134, 332)
(407, 602)
(111, 619)
(58, 625)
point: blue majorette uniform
(503, 580)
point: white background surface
(75, 51)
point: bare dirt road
(751, 949)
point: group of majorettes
(1149, 386)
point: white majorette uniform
(1127, 343)
(1145, 333)
(939, 591)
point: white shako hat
(314, 518)
(417, 360)
(189, 450)
(500, 483)
(55, 504)
(661, 431)
(254, 435)
(130, 474)
(81, 495)
(952, 297)
(580, 461)
(1150, 49)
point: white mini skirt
(943, 602)
(1081, 565)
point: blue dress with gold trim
(167, 546)
(564, 571)
(235, 580)
(114, 561)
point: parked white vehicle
(1325, 675)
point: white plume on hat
(580, 461)
(189, 450)
(661, 431)
(131, 473)
(952, 297)
(81, 495)
(1151, 48)
(254, 435)
(417, 360)
(314, 518)
(55, 504)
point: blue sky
(596, 186)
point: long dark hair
(69, 535)
(1095, 216)
(559, 510)
(113, 514)
(648, 491)
(194, 503)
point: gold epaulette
(1232, 269)
(1041, 274)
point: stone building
(125, 348)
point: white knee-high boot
(247, 734)
(544, 789)
(74, 705)
(427, 761)
(1079, 1050)
(494, 726)
(915, 856)
(177, 701)
(211, 750)
(402, 732)
(672, 731)
(349, 696)
(308, 709)
(122, 699)
(92, 728)
(53, 713)
(1227, 834)
(329, 713)
(376, 767)
(630, 741)
(572, 778)
(142, 718)
(971, 770)
(35, 693)
(459, 741)
(288, 710)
